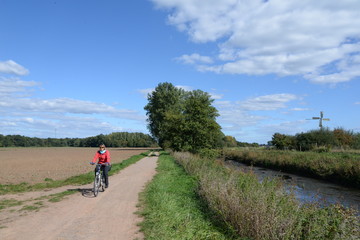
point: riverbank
(264, 210)
(342, 168)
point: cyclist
(103, 157)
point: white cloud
(237, 118)
(194, 58)
(267, 102)
(319, 40)
(299, 109)
(22, 113)
(12, 67)
(15, 85)
(216, 96)
(186, 88)
(146, 92)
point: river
(307, 189)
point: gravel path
(110, 215)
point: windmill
(321, 118)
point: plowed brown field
(34, 165)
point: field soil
(110, 215)
(34, 165)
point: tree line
(116, 139)
(319, 140)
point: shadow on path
(86, 192)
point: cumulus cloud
(12, 67)
(237, 116)
(22, 113)
(267, 102)
(319, 40)
(14, 85)
(194, 58)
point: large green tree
(201, 128)
(182, 120)
(164, 107)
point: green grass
(75, 180)
(57, 197)
(34, 207)
(6, 203)
(172, 208)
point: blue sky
(82, 68)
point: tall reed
(263, 210)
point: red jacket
(103, 158)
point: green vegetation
(116, 139)
(34, 207)
(57, 197)
(75, 180)
(183, 120)
(341, 167)
(6, 203)
(173, 210)
(322, 140)
(264, 210)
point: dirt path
(82, 216)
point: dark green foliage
(164, 111)
(282, 141)
(322, 140)
(183, 120)
(116, 139)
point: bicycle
(99, 181)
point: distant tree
(344, 139)
(230, 141)
(282, 141)
(356, 142)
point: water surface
(307, 189)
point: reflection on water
(308, 189)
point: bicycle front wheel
(96, 185)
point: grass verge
(172, 209)
(75, 180)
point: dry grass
(263, 210)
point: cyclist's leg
(106, 175)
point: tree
(230, 141)
(282, 141)
(343, 138)
(182, 120)
(164, 104)
(201, 128)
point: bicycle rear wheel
(96, 185)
